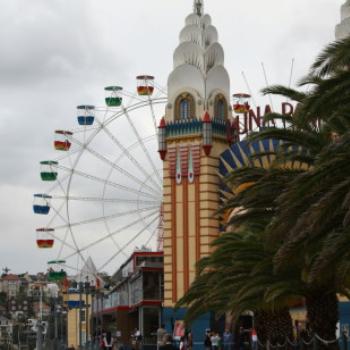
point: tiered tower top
(342, 30)
(198, 69)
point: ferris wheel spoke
(57, 214)
(155, 124)
(143, 103)
(107, 200)
(131, 157)
(67, 155)
(117, 245)
(116, 167)
(153, 114)
(100, 240)
(151, 237)
(126, 245)
(56, 184)
(160, 88)
(146, 152)
(63, 241)
(107, 182)
(132, 96)
(62, 244)
(103, 218)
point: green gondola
(113, 98)
(48, 171)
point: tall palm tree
(312, 216)
(239, 274)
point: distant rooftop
(10, 277)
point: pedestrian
(227, 340)
(136, 339)
(101, 341)
(215, 341)
(241, 338)
(254, 339)
(168, 343)
(161, 333)
(183, 343)
(107, 341)
(207, 340)
(189, 340)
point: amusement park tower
(342, 30)
(192, 135)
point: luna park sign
(255, 119)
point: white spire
(198, 63)
(198, 7)
(342, 30)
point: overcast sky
(55, 54)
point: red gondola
(62, 142)
(241, 104)
(44, 238)
(145, 85)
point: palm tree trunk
(274, 326)
(322, 314)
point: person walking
(107, 341)
(215, 341)
(189, 340)
(183, 345)
(161, 333)
(207, 340)
(227, 338)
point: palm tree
(312, 215)
(239, 275)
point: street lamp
(87, 292)
(81, 286)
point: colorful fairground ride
(102, 192)
(241, 103)
(102, 188)
(56, 273)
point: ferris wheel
(102, 195)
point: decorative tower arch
(192, 137)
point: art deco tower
(196, 129)
(342, 30)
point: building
(135, 300)
(78, 302)
(77, 298)
(10, 284)
(198, 130)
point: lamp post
(87, 292)
(81, 286)
(57, 314)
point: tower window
(185, 107)
(220, 107)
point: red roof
(10, 277)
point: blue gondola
(86, 115)
(41, 204)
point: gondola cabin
(48, 170)
(55, 271)
(86, 115)
(41, 204)
(241, 103)
(62, 142)
(44, 238)
(113, 97)
(145, 85)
